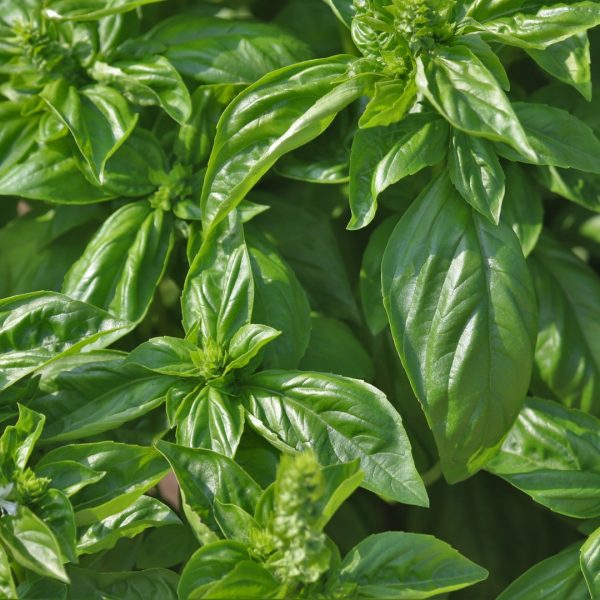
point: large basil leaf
(282, 111)
(558, 138)
(464, 91)
(150, 81)
(477, 174)
(98, 397)
(51, 174)
(134, 585)
(462, 312)
(212, 50)
(124, 262)
(281, 302)
(38, 327)
(590, 563)
(567, 353)
(556, 578)
(143, 513)
(130, 471)
(341, 419)
(98, 117)
(219, 291)
(406, 565)
(551, 453)
(382, 156)
(32, 544)
(550, 25)
(568, 61)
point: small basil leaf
(17, 441)
(247, 342)
(55, 510)
(69, 476)
(166, 355)
(7, 584)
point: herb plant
(330, 267)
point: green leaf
(50, 174)
(549, 25)
(247, 580)
(135, 585)
(90, 10)
(7, 584)
(150, 81)
(246, 343)
(143, 513)
(55, 510)
(485, 54)
(522, 207)
(32, 544)
(211, 419)
(98, 397)
(590, 563)
(97, 116)
(407, 565)
(558, 138)
(371, 294)
(166, 355)
(569, 62)
(38, 327)
(204, 476)
(556, 578)
(166, 546)
(343, 9)
(280, 302)
(17, 441)
(212, 50)
(551, 453)
(576, 186)
(464, 91)
(69, 476)
(392, 99)
(130, 471)
(18, 134)
(219, 291)
(333, 348)
(567, 353)
(341, 419)
(383, 156)
(462, 312)
(279, 113)
(208, 565)
(124, 262)
(477, 174)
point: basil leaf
(477, 174)
(130, 471)
(549, 25)
(212, 50)
(32, 544)
(576, 186)
(209, 564)
(522, 207)
(55, 510)
(464, 91)
(462, 312)
(17, 441)
(219, 291)
(89, 10)
(134, 585)
(280, 302)
(568, 61)
(7, 584)
(567, 353)
(210, 419)
(69, 476)
(341, 419)
(558, 138)
(124, 262)
(247, 580)
(247, 342)
(407, 565)
(39, 327)
(556, 578)
(343, 9)
(165, 355)
(590, 563)
(143, 513)
(383, 156)
(151, 81)
(551, 454)
(18, 135)
(98, 117)
(98, 397)
(297, 102)
(392, 99)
